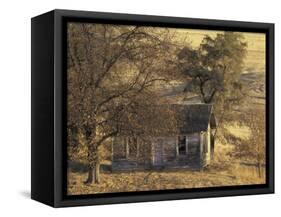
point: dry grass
(157, 180)
(223, 171)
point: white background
(15, 106)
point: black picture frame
(48, 147)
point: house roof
(180, 119)
(193, 117)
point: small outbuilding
(192, 147)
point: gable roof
(193, 117)
(185, 119)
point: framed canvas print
(134, 108)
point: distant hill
(254, 83)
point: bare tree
(113, 72)
(253, 148)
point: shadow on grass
(78, 167)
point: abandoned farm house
(192, 147)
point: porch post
(138, 147)
(201, 148)
(152, 152)
(186, 144)
(112, 143)
(177, 146)
(127, 146)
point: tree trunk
(90, 176)
(93, 175)
(94, 165)
(97, 173)
(90, 134)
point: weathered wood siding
(159, 152)
(168, 152)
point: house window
(182, 145)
